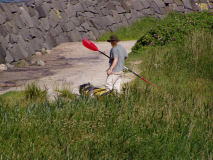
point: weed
(33, 91)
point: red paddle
(88, 44)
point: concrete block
(46, 7)
(174, 7)
(137, 5)
(96, 33)
(52, 39)
(168, 1)
(109, 20)
(132, 19)
(57, 5)
(78, 7)
(3, 7)
(138, 14)
(126, 6)
(160, 3)
(149, 11)
(168, 9)
(75, 21)
(87, 3)
(35, 33)
(155, 7)
(72, 37)
(92, 10)
(146, 3)
(59, 39)
(178, 2)
(120, 9)
(91, 36)
(66, 27)
(89, 15)
(188, 11)
(162, 11)
(105, 11)
(187, 4)
(41, 11)
(21, 51)
(116, 16)
(194, 6)
(53, 24)
(4, 41)
(8, 58)
(203, 1)
(31, 11)
(13, 38)
(64, 4)
(58, 30)
(85, 35)
(2, 54)
(45, 23)
(110, 5)
(81, 29)
(11, 8)
(85, 26)
(21, 41)
(53, 32)
(38, 44)
(64, 18)
(24, 32)
(26, 17)
(128, 15)
(123, 20)
(81, 19)
(18, 21)
(36, 21)
(54, 17)
(2, 19)
(3, 30)
(71, 12)
(15, 29)
(30, 49)
(8, 28)
(95, 23)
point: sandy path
(67, 66)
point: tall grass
(172, 121)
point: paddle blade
(148, 82)
(88, 44)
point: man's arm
(114, 63)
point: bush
(175, 28)
(34, 92)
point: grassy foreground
(172, 121)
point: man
(118, 55)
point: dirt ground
(66, 66)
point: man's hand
(109, 71)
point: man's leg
(113, 81)
(117, 84)
(109, 83)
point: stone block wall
(30, 26)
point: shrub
(34, 92)
(174, 29)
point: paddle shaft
(131, 71)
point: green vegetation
(134, 31)
(175, 28)
(172, 121)
(33, 91)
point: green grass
(134, 31)
(172, 121)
